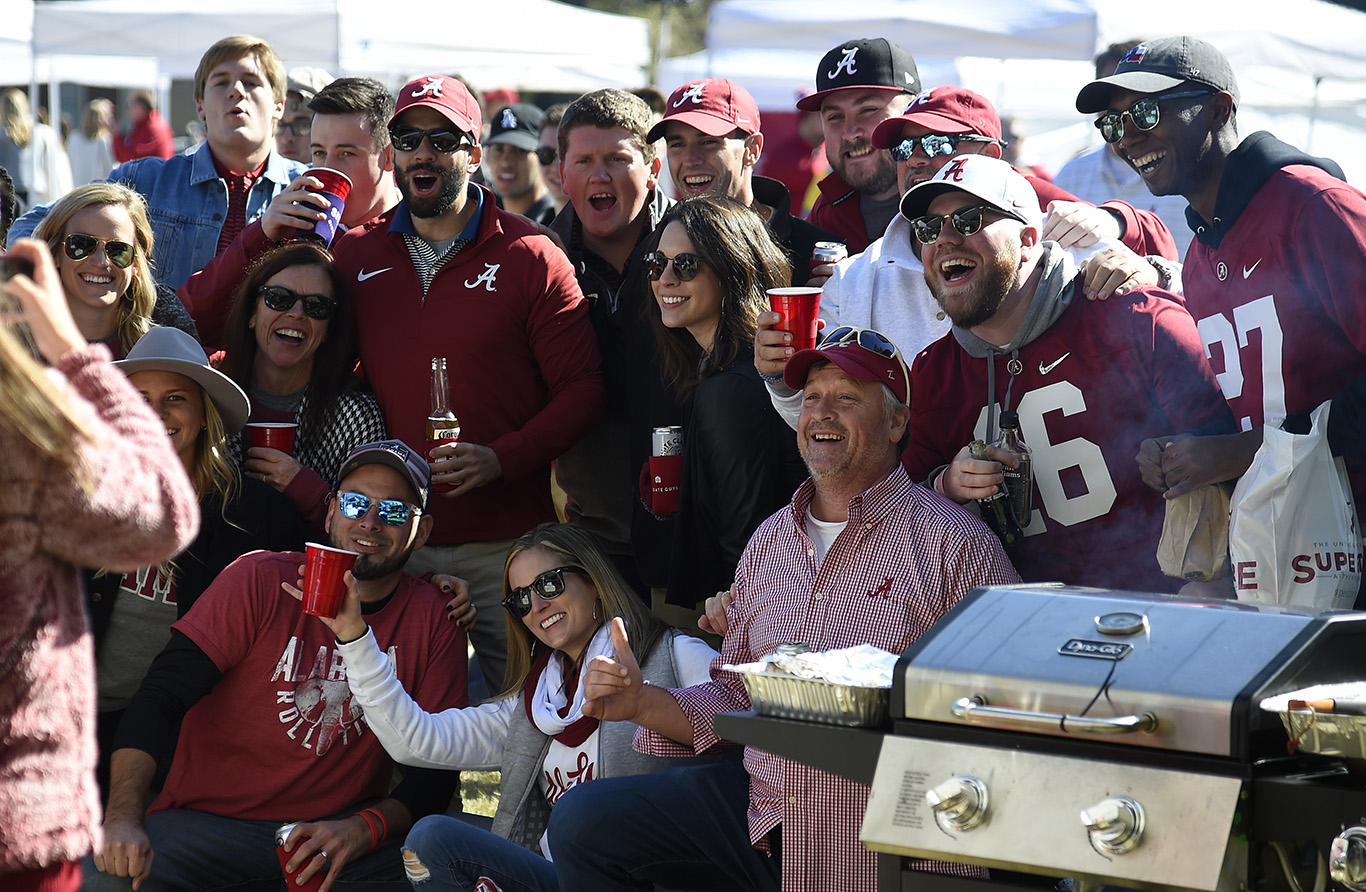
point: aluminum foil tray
(1326, 733)
(810, 700)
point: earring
(596, 618)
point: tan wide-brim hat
(172, 350)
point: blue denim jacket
(187, 202)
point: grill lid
(1145, 670)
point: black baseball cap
(1158, 65)
(869, 63)
(517, 125)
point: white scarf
(549, 697)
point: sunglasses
(394, 512)
(934, 144)
(870, 340)
(443, 139)
(79, 246)
(967, 221)
(1143, 113)
(686, 265)
(549, 585)
(316, 306)
(546, 155)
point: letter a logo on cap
(954, 171)
(846, 62)
(694, 93)
(432, 87)
(509, 121)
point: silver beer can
(667, 440)
(827, 252)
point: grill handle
(975, 709)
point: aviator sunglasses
(1143, 113)
(79, 246)
(934, 144)
(394, 512)
(686, 265)
(870, 340)
(316, 306)
(549, 585)
(967, 221)
(443, 139)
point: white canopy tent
(562, 50)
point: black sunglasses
(686, 265)
(546, 155)
(1144, 113)
(549, 585)
(968, 221)
(316, 306)
(934, 144)
(79, 246)
(444, 140)
(394, 512)
(870, 340)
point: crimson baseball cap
(395, 454)
(994, 181)
(869, 63)
(1158, 65)
(942, 110)
(856, 361)
(714, 105)
(445, 94)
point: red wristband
(383, 831)
(374, 830)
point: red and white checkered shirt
(905, 557)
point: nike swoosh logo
(1247, 270)
(363, 275)
(1045, 369)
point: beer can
(827, 252)
(282, 832)
(668, 440)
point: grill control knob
(959, 803)
(1115, 825)
(1347, 859)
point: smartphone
(13, 266)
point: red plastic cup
(799, 308)
(336, 187)
(324, 585)
(272, 435)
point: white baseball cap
(994, 181)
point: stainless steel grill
(1110, 738)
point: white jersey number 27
(1258, 315)
(1051, 459)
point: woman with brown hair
(88, 478)
(712, 265)
(291, 347)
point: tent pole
(1313, 115)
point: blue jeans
(682, 828)
(198, 852)
(452, 854)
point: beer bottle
(996, 510)
(442, 425)
(1019, 481)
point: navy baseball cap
(1158, 65)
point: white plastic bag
(1293, 534)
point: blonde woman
(88, 478)
(132, 612)
(100, 236)
(31, 151)
(89, 147)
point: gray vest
(522, 812)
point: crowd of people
(827, 494)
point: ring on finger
(323, 852)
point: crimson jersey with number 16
(1095, 384)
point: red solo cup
(324, 585)
(336, 186)
(272, 435)
(799, 308)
